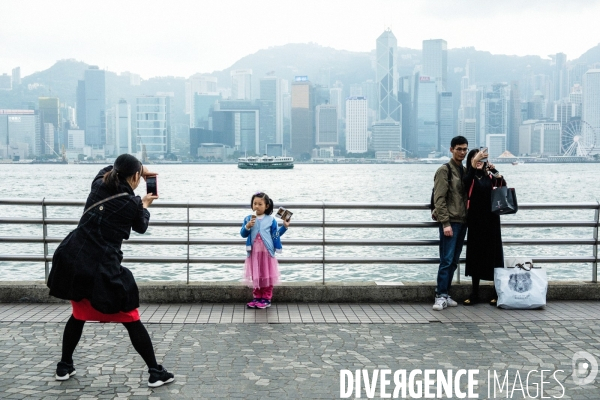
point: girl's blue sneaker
(253, 303)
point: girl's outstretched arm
(283, 228)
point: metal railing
(322, 242)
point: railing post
(45, 236)
(323, 249)
(188, 242)
(595, 250)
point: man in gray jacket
(450, 210)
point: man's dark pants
(450, 249)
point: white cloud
(183, 37)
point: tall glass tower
(153, 125)
(95, 107)
(591, 103)
(435, 62)
(387, 77)
(426, 110)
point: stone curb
(302, 292)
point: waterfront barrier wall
(302, 292)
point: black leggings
(137, 333)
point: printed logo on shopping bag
(520, 283)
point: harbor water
(361, 183)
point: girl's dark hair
(125, 166)
(267, 200)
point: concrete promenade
(296, 350)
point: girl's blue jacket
(267, 227)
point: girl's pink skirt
(261, 269)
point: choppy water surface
(401, 183)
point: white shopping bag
(520, 285)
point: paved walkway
(297, 350)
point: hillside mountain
(309, 59)
(590, 57)
(287, 61)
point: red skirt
(83, 311)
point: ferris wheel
(578, 139)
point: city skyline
(188, 37)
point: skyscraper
(110, 147)
(48, 135)
(19, 128)
(561, 77)
(495, 118)
(123, 140)
(426, 111)
(387, 77)
(49, 110)
(5, 82)
(387, 136)
(153, 125)
(80, 107)
(16, 76)
(95, 107)
(545, 139)
(202, 84)
(525, 132)
(302, 119)
(239, 120)
(591, 102)
(564, 111)
(203, 102)
(446, 121)
(469, 115)
(356, 125)
(405, 98)
(241, 84)
(576, 74)
(266, 123)
(576, 98)
(271, 90)
(435, 62)
(336, 99)
(369, 91)
(326, 122)
(514, 118)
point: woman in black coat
(484, 238)
(86, 266)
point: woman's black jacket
(87, 263)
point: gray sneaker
(440, 303)
(451, 303)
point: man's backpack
(431, 203)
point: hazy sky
(177, 37)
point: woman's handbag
(520, 285)
(504, 200)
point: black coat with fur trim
(484, 236)
(87, 263)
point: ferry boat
(266, 162)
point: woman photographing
(87, 270)
(484, 238)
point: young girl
(261, 268)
